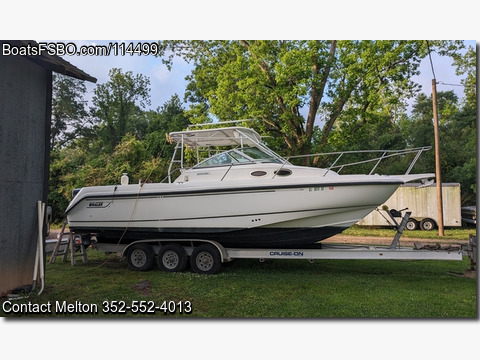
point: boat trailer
(207, 256)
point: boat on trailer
(239, 194)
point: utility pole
(437, 159)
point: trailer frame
(207, 256)
(212, 255)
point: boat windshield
(259, 155)
(238, 156)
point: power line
(430, 57)
(442, 83)
(433, 70)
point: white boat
(243, 196)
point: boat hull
(281, 215)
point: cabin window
(217, 160)
(259, 155)
(239, 157)
(258, 173)
(283, 172)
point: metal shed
(25, 116)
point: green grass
(450, 233)
(274, 288)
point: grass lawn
(450, 233)
(274, 288)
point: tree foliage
(69, 113)
(118, 106)
(169, 117)
(457, 126)
(293, 86)
(143, 155)
(467, 65)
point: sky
(165, 83)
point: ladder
(73, 240)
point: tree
(465, 127)
(467, 65)
(457, 139)
(69, 116)
(142, 154)
(293, 86)
(118, 106)
(170, 117)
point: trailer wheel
(140, 257)
(172, 258)
(205, 259)
(412, 224)
(427, 224)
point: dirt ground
(375, 240)
(404, 242)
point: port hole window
(283, 172)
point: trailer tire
(172, 258)
(205, 259)
(140, 257)
(412, 224)
(428, 224)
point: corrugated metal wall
(25, 103)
